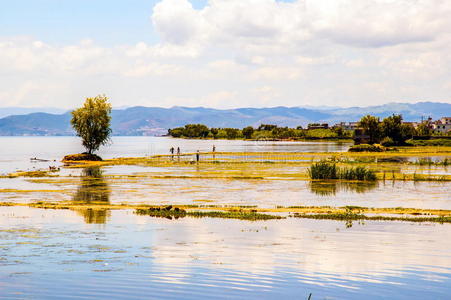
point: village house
(442, 126)
(318, 126)
(347, 125)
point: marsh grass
(37, 173)
(241, 215)
(427, 161)
(327, 170)
(323, 170)
(357, 173)
(356, 216)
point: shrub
(366, 148)
(387, 142)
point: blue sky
(109, 22)
(67, 21)
(224, 53)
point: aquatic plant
(323, 170)
(170, 212)
(355, 216)
(327, 170)
(241, 215)
(357, 173)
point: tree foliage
(370, 125)
(264, 131)
(248, 131)
(424, 129)
(91, 122)
(391, 127)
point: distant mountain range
(10, 111)
(140, 120)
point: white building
(442, 126)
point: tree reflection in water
(330, 188)
(93, 190)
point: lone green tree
(92, 122)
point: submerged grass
(241, 215)
(357, 216)
(37, 173)
(169, 212)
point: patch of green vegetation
(82, 157)
(366, 148)
(263, 132)
(431, 142)
(327, 170)
(162, 212)
(427, 161)
(427, 177)
(323, 170)
(174, 212)
(241, 215)
(38, 173)
(351, 216)
(357, 173)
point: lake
(15, 152)
(84, 253)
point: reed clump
(357, 173)
(328, 170)
(323, 170)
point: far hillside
(156, 121)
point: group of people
(172, 151)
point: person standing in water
(214, 148)
(197, 156)
(178, 150)
(172, 152)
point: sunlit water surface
(56, 255)
(15, 152)
(85, 254)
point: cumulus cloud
(247, 23)
(248, 53)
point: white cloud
(248, 53)
(252, 25)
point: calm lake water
(53, 254)
(15, 152)
(116, 254)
